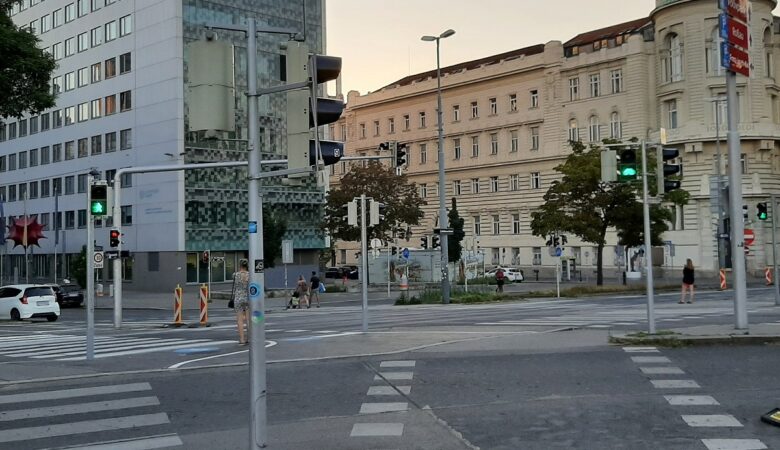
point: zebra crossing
(60, 347)
(97, 417)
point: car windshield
(38, 291)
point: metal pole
(208, 261)
(389, 250)
(721, 252)
(443, 219)
(90, 345)
(648, 244)
(774, 252)
(117, 264)
(735, 207)
(364, 260)
(557, 278)
(257, 370)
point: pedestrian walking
(314, 289)
(500, 277)
(240, 297)
(687, 281)
(302, 289)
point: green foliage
(456, 223)
(25, 70)
(78, 268)
(381, 183)
(274, 228)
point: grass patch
(641, 334)
(458, 296)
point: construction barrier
(722, 280)
(404, 283)
(204, 306)
(177, 295)
(768, 276)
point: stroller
(297, 301)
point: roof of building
(468, 65)
(608, 32)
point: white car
(510, 273)
(28, 301)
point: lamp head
(447, 33)
(429, 38)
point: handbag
(232, 303)
(322, 287)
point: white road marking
(79, 408)
(711, 420)
(662, 370)
(389, 390)
(149, 443)
(149, 350)
(87, 426)
(640, 350)
(674, 384)
(183, 363)
(690, 400)
(650, 359)
(378, 408)
(397, 364)
(73, 393)
(377, 429)
(733, 444)
(393, 376)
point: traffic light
(305, 110)
(435, 241)
(394, 250)
(424, 242)
(627, 166)
(352, 213)
(745, 212)
(98, 198)
(376, 213)
(113, 237)
(399, 154)
(762, 213)
(667, 170)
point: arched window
(615, 126)
(713, 53)
(574, 131)
(672, 58)
(769, 60)
(593, 129)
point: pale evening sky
(379, 40)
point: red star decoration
(34, 231)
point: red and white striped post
(768, 276)
(722, 280)
(177, 295)
(204, 306)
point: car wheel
(52, 318)
(15, 315)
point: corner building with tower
(124, 101)
(508, 119)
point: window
(70, 47)
(22, 127)
(95, 108)
(12, 130)
(512, 102)
(423, 190)
(595, 85)
(515, 223)
(70, 150)
(743, 162)
(474, 110)
(343, 130)
(391, 125)
(422, 119)
(671, 55)
(58, 50)
(22, 160)
(83, 112)
(33, 124)
(126, 180)
(423, 153)
(83, 41)
(70, 115)
(12, 193)
(45, 155)
(493, 106)
(514, 141)
(83, 148)
(96, 72)
(70, 220)
(127, 215)
(534, 138)
(111, 31)
(671, 113)
(110, 68)
(514, 182)
(536, 180)
(537, 252)
(493, 143)
(33, 157)
(110, 142)
(97, 145)
(83, 76)
(574, 89)
(616, 80)
(407, 121)
(594, 134)
(110, 105)
(376, 128)
(574, 131)
(125, 101)
(45, 122)
(45, 192)
(82, 217)
(456, 113)
(475, 185)
(534, 98)
(125, 25)
(96, 4)
(769, 59)
(56, 186)
(69, 186)
(493, 184)
(477, 226)
(456, 148)
(57, 117)
(57, 18)
(83, 7)
(456, 188)
(362, 131)
(126, 139)
(56, 153)
(96, 36)
(70, 12)
(81, 184)
(615, 126)
(496, 224)
(474, 146)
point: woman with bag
(240, 299)
(687, 281)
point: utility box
(211, 82)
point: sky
(379, 40)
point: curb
(683, 340)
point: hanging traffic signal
(98, 198)
(762, 213)
(627, 167)
(424, 242)
(113, 237)
(435, 242)
(667, 170)
(399, 154)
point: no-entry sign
(749, 237)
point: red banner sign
(736, 33)
(737, 9)
(735, 59)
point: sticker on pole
(253, 227)
(259, 266)
(405, 253)
(254, 290)
(98, 259)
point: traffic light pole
(774, 252)
(90, 339)
(364, 260)
(735, 208)
(648, 244)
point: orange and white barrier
(177, 295)
(204, 305)
(722, 280)
(768, 276)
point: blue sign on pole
(405, 253)
(558, 251)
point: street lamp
(720, 181)
(443, 222)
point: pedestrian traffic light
(627, 166)
(376, 213)
(98, 199)
(399, 154)
(394, 250)
(745, 212)
(762, 213)
(435, 242)
(113, 237)
(424, 242)
(351, 210)
(305, 110)
(667, 170)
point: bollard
(404, 283)
(768, 276)
(177, 295)
(204, 306)
(722, 280)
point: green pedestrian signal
(627, 168)
(763, 213)
(98, 200)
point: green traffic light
(628, 172)
(97, 208)
(762, 216)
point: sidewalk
(190, 300)
(756, 334)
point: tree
(78, 268)
(274, 228)
(25, 69)
(401, 199)
(581, 204)
(456, 223)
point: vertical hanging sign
(734, 31)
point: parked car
(512, 274)
(28, 301)
(334, 272)
(350, 271)
(68, 294)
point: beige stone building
(508, 119)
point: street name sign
(737, 9)
(735, 59)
